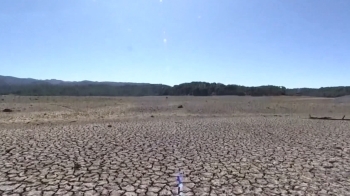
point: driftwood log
(327, 118)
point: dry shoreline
(222, 145)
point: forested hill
(193, 88)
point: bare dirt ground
(148, 146)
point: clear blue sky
(294, 43)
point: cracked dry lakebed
(149, 146)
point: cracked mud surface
(249, 155)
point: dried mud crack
(217, 156)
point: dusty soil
(148, 146)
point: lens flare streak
(179, 180)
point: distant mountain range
(9, 80)
(53, 87)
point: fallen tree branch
(327, 118)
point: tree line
(192, 89)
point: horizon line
(86, 80)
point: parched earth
(223, 156)
(178, 155)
